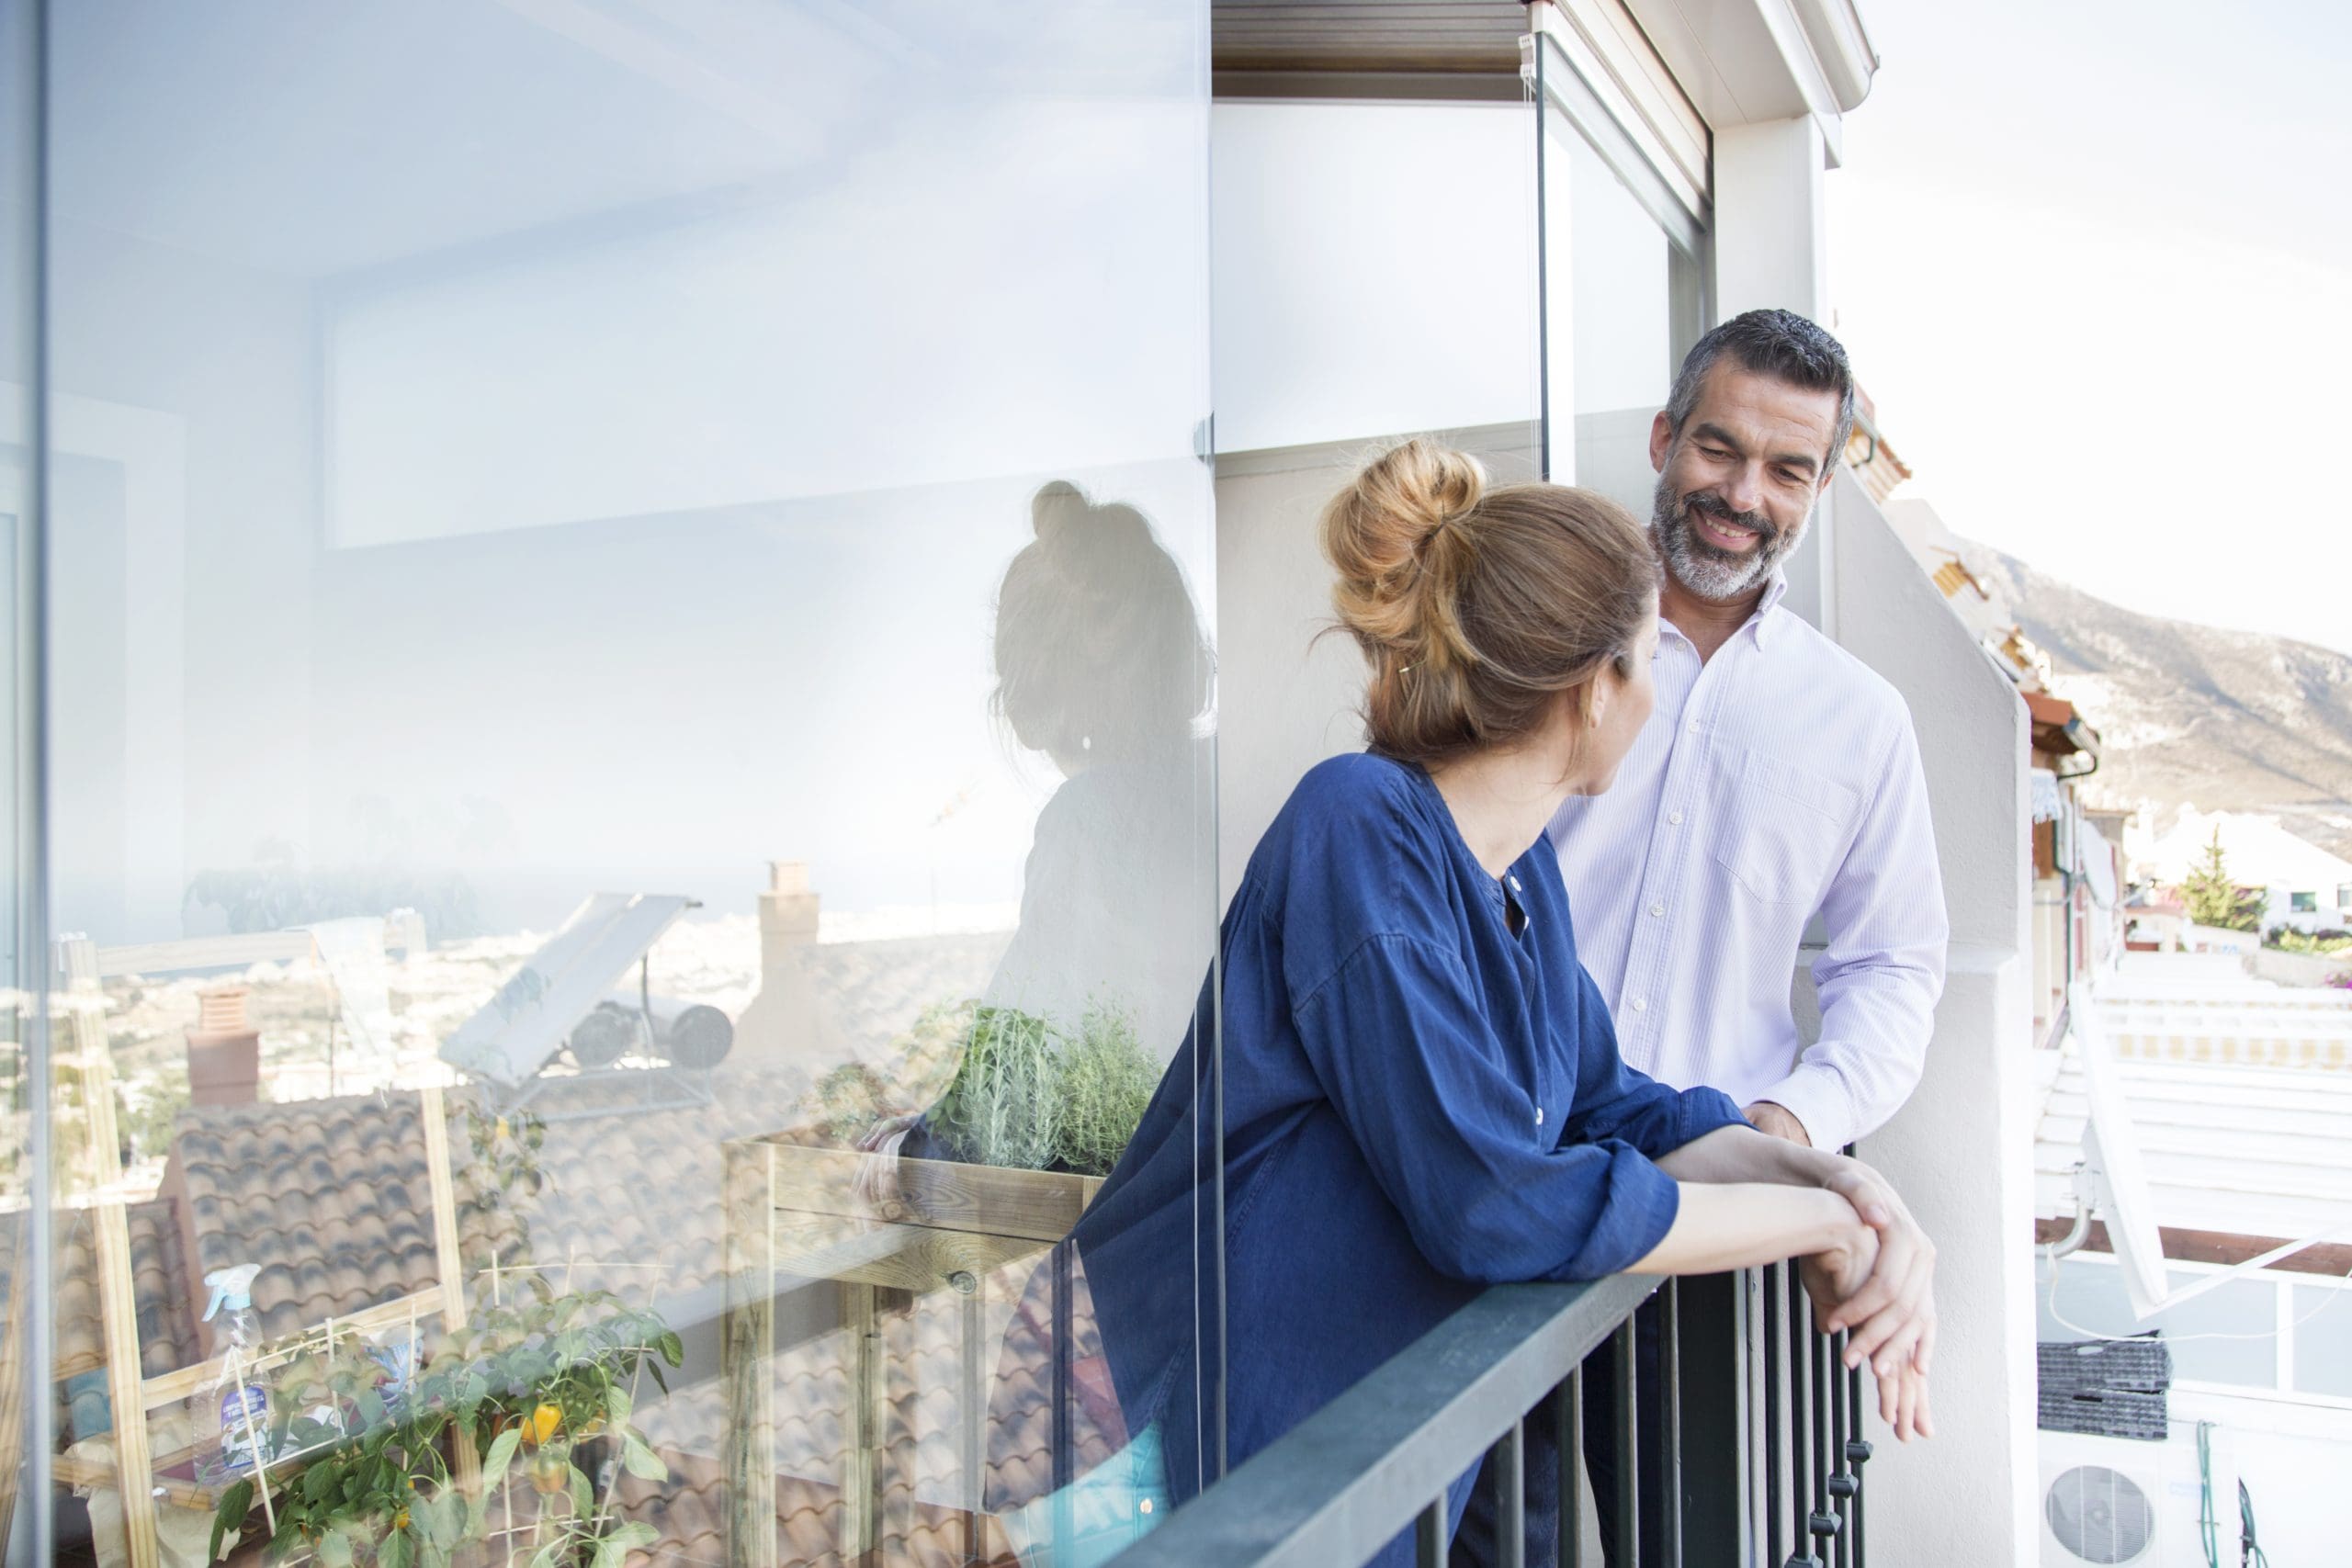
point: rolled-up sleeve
(1396, 1037)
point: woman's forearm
(1743, 1153)
(1740, 1224)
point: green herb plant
(1027, 1094)
(1001, 1108)
(1103, 1082)
(363, 1479)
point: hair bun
(1391, 538)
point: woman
(1422, 1093)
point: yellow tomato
(542, 1425)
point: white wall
(1373, 269)
(1960, 1152)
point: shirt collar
(1763, 624)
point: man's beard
(1708, 570)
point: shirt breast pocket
(1780, 829)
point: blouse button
(1640, 1005)
(1675, 818)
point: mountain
(2192, 715)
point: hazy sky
(2094, 261)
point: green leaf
(583, 1494)
(394, 1553)
(317, 1480)
(613, 1549)
(617, 1405)
(334, 1550)
(500, 1455)
(640, 1461)
(673, 1349)
(229, 1520)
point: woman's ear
(1592, 701)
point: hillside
(2193, 715)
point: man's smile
(1731, 538)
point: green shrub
(1001, 1108)
(1105, 1082)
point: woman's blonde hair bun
(1393, 535)
(1474, 606)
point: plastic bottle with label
(232, 1410)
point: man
(1778, 779)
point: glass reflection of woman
(1101, 668)
(1421, 1089)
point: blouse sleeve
(1617, 1101)
(1489, 1192)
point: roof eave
(1752, 61)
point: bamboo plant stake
(110, 1229)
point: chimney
(782, 1020)
(223, 1049)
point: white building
(2303, 886)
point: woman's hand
(877, 1182)
(1892, 1313)
(1836, 1272)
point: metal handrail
(1348, 1479)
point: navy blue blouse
(1422, 1096)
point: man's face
(1735, 485)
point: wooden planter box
(794, 1212)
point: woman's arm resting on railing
(1719, 1226)
(1892, 1314)
(1748, 1198)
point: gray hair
(1778, 343)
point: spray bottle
(232, 1410)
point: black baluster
(1670, 1332)
(1843, 1380)
(1567, 1410)
(1772, 1365)
(1629, 1530)
(1507, 1460)
(1429, 1535)
(1800, 1421)
(1858, 1453)
(1821, 1522)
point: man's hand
(1767, 1117)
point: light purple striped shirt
(1779, 780)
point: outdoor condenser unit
(2114, 1500)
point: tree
(2214, 901)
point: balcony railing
(1758, 1429)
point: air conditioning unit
(2114, 1501)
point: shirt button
(1640, 1005)
(1657, 911)
(1675, 818)
(1695, 726)
(1539, 1116)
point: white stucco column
(1771, 241)
(1961, 1150)
(1771, 230)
